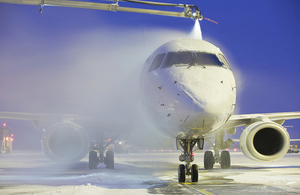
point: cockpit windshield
(179, 58)
(192, 58)
(208, 59)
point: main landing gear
(97, 156)
(188, 156)
(210, 160)
(224, 159)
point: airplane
(188, 92)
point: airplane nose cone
(204, 88)
(203, 95)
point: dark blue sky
(260, 39)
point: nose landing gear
(188, 156)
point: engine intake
(265, 141)
(65, 142)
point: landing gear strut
(224, 159)
(188, 156)
(97, 156)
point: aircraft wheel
(225, 160)
(93, 160)
(181, 173)
(110, 164)
(209, 160)
(194, 173)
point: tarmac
(146, 172)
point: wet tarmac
(30, 172)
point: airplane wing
(86, 120)
(37, 118)
(245, 119)
(42, 117)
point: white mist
(196, 32)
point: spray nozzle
(192, 11)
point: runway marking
(205, 192)
(188, 185)
(183, 183)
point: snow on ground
(33, 173)
(26, 172)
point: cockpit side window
(223, 59)
(157, 62)
(208, 59)
(179, 58)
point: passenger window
(208, 59)
(225, 62)
(179, 58)
(157, 62)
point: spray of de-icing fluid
(196, 32)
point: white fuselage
(187, 100)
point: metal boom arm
(190, 11)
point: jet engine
(265, 141)
(65, 142)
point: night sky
(52, 61)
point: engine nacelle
(265, 141)
(65, 142)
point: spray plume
(196, 32)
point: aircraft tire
(93, 160)
(181, 173)
(225, 160)
(209, 160)
(110, 164)
(194, 173)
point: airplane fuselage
(188, 88)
